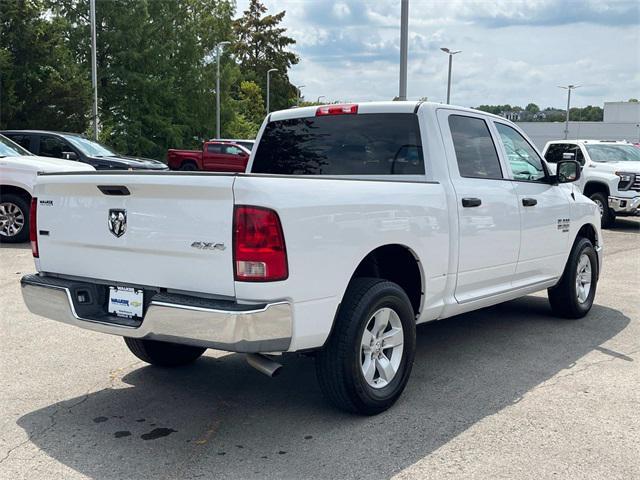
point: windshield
(89, 147)
(613, 153)
(11, 149)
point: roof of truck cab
(373, 107)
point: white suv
(610, 175)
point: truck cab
(610, 173)
(215, 156)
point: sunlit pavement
(506, 392)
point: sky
(513, 51)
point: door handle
(471, 202)
(529, 202)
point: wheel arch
(595, 186)
(397, 263)
(15, 190)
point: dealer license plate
(125, 302)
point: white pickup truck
(355, 223)
(18, 173)
(610, 174)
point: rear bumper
(222, 325)
(628, 206)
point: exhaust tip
(264, 364)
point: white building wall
(542, 132)
(622, 112)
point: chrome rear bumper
(222, 325)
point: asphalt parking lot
(505, 392)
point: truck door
(488, 214)
(544, 210)
(212, 157)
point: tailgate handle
(117, 190)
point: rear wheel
(607, 216)
(367, 360)
(573, 296)
(188, 166)
(163, 354)
(14, 218)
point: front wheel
(366, 362)
(607, 216)
(573, 296)
(14, 219)
(163, 354)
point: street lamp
(404, 46)
(94, 68)
(218, 51)
(321, 96)
(451, 53)
(299, 87)
(269, 86)
(568, 88)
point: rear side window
(214, 148)
(22, 140)
(364, 144)
(556, 151)
(475, 151)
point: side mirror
(69, 155)
(567, 171)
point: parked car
(611, 174)
(246, 143)
(18, 172)
(215, 156)
(72, 146)
(356, 223)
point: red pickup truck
(214, 157)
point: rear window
(364, 144)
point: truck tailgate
(162, 230)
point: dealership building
(621, 122)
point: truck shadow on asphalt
(220, 418)
(626, 225)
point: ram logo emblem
(117, 221)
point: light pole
(269, 86)
(404, 42)
(94, 67)
(218, 51)
(321, 96)
(451, 53)
(299, 87)
(568, 88)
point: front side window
(52, 147)
(358, 144)
(231, 150)
(524, 160)
(475, 151)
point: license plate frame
(125, 302)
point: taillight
(337, 110)
(33, 227)
(258, 245)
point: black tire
(163, 354)
(188, 166)
(563, 297)
(23, 205)
(608, 217)
(338, 364)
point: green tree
(261, 44)
(42, 85)
(532, 108)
